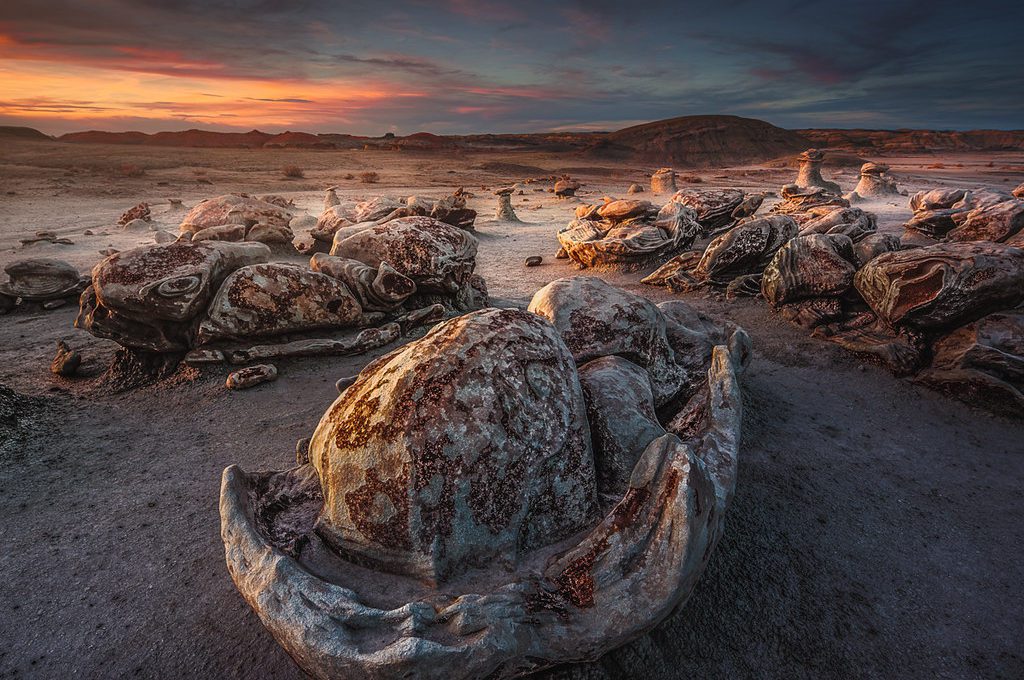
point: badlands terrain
(875, 530)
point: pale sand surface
(875, 532)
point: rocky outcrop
(852, 222)
(240, 209)
(807, 275)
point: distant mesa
(701, 141)
(916, 141)
(688, 141)
(24, 133)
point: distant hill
(701, 141)
(24, 133)
(694, 141)
(917, 141)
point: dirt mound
(701, 141)
(917, 141)
(425, 141)
(24, 133)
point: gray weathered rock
(444, 451)
(234, 209)
(852, 222)
(504, 211)
(982, 362)
(268, 299)
(378, 289)
(873, 245)
(714, 207)
(807, 267)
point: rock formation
(504, 210)
(875, 182)
(39, 279)
(566, 187)
(663, 181)
(809, 175)
(966, 215)
(500, 496)
(207, 297)
(743, 250)
(714, 207)
(627, 233)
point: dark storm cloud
(490, 65)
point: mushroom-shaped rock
(446, 525)
(504, 211)
(875, 181)
(438, 257)
(663, 181)
(331, 198)
(466, 447)
(234, 209)
(147, 298)
(943, 285)
(714, 207)
(809, 175)
(40, 279)
(268, 299)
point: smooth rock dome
(466, 448)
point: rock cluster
(967, 215)
(627, 233)
(346, 216)
(945, 312)
(241, 217)
(515, 490)
(207, 297)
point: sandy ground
(875, 532)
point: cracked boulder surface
(474, 505)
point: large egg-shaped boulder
(464, 449)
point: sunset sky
(461, 66)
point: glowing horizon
(459, 67)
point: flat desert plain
(862, 540)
